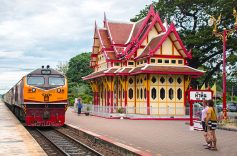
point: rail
(66, 144)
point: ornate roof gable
(174, 36)
(148, 23)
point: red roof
(177, 70)
(103, 34)
(124, 71)
(119, 31)
(151, 45)
(110, 55)
(105, 72)
(136, 28)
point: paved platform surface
(14, 138)
(166, 138)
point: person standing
(79, 105)
(203, 119)
(211, 122)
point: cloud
(35, 33)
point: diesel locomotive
(40, 98)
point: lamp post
(223, 36)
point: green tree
(190, 19)
(79, 67)
(62, 67)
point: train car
(40, 98)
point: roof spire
(152, 11)
(95, 24)
(105, 19)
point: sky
(36, 32)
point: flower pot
(87, 113)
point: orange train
(40, 98)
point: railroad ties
(66, 144)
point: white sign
(200, 95)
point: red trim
(113, 60)
(120, 45)
(165, 73)
(154, 118)
(94, 55)
(168, 56)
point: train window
(56, 81)
(35, 80)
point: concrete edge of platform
(144, 118)
(121, 145)
(33, 148)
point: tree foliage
(191, 21)
(62, 67)
(79, 67)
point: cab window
(35, 80)
(56, 81)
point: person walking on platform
(79, 105)
(203, 119)
(211, 122)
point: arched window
(141, 80)
(137, 81)
(153, 79)
(130, 80)
(153, 93)
(141, 93)
(130, 93)
(162, 93)
(137, 93)
(179, 80)
(179, 94)
(171, 80)
(145, 93)
(162, 79)
(171, 94)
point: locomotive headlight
(59, 90)
(33, 90)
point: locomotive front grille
(46, 115)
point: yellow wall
(153, 33)
(166, 106)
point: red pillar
(224, 74)
(111, 101)
(108, 103)
(191, 113)
(148, 95)
(125, 92)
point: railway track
(65, 144)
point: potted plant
(87, 110)
(121, 112)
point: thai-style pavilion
(140, 66)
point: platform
(14, 138)
(158, 137)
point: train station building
(141, 67)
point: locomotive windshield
(56, 81)
(35, 80)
